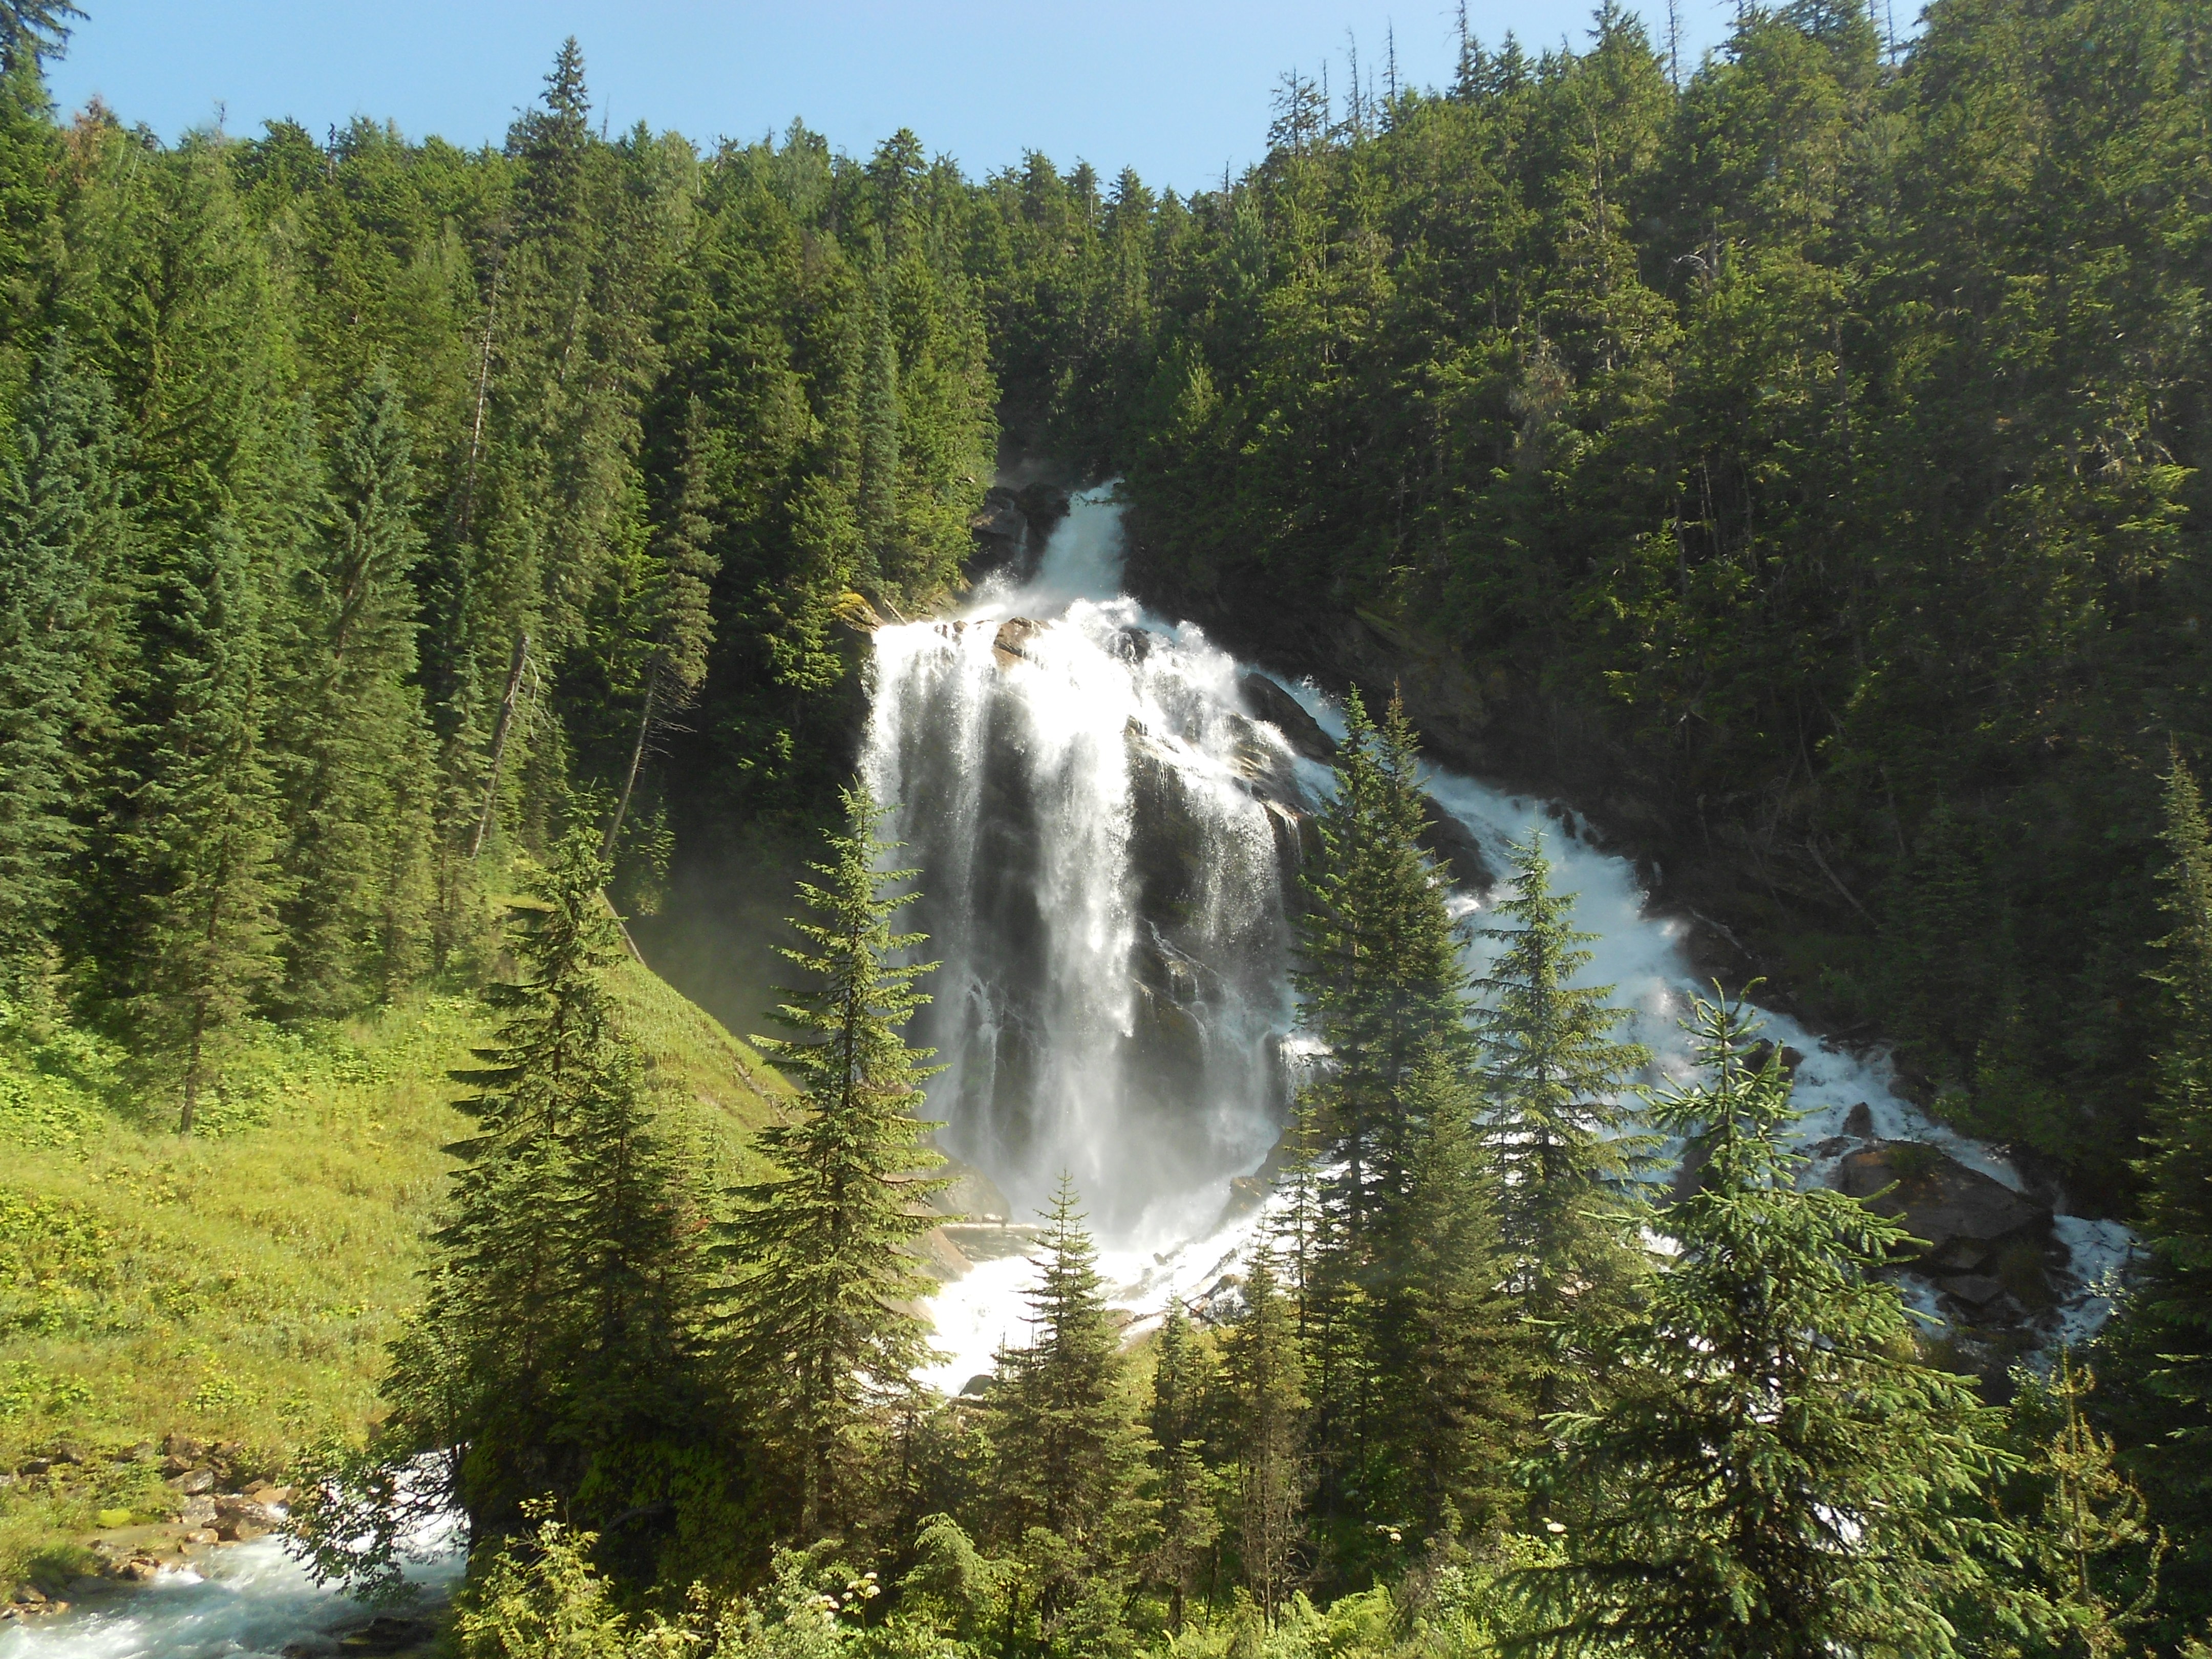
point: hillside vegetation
(243, 1286)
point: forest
(414, 560)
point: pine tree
(1067, 1454)
(2091, 1552)
(1450, 1352)
(879, 437)
(816, 1331)
(1181, 1488)
(61, 552)
(1378, 961)
(1263, 1377)
(682, 625)
(1553, 1081)
(566, 1289)
(186, 855)
(356, 799)
(2157, 1353)
(1774, 1473)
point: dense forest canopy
(1797, 456)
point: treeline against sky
(1817, 433)
(375, 508)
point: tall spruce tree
(1067, 1454)
(61, 561)
(2157, 1355)
(680, 622)
(186, 852)
(1553, 1082)
(1450, 1353)
(1182, 1486)
(558, 1353)
(356, 799)
(818, 1334)
(1263, 1384)
(1377, 963)
(1774, 1472)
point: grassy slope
(241, 1285)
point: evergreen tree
(1182, 1486)
(557, 1353)
(2158, 1353)
(1774, 1472)
(1450, 1353)
(682, 624)
(2092, 1552)
(185, 853)
(1263, 1377)
(879, 437)
(1553, 1081)
(1379, 965)
(1378, 962)
(817, 1336)
(61, 551)
(1067, 1453)
(357, 809)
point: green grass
(241, 1285)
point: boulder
(1448, 840)
(1858, 1122)
(1964, 1218)
(237, 1520)
(192, 1482)
(1264, 700)
(387, 1633)
(197, 1514)
(1011, 644)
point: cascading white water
(1104, 866)
(1104, 827)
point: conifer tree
(61, 526)
(879, 437)
(1263, 1383)
(2158, 1353)
(355, 797)
(567, 1289)
(816, 1333)
(1067, 1454)
(185, 855)
(1379, 967)
(1181, 1487)
(2092, 1552)
(1775, 1472)
(1450, 1351)
(1378, 961)
(1552, 1080)
(682, 625)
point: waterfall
(1104, 836)
(1107, 811)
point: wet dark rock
(1264, 700)
(1449, 842)
(387, 1633)
(1977, 1291)
(1966, 1220)
(1858, 1122)
(1009, 645)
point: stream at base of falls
(229, 1602)
(1106, 811)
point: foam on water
(243, 1599)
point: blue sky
(1174, 90)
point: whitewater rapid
(963, 729)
